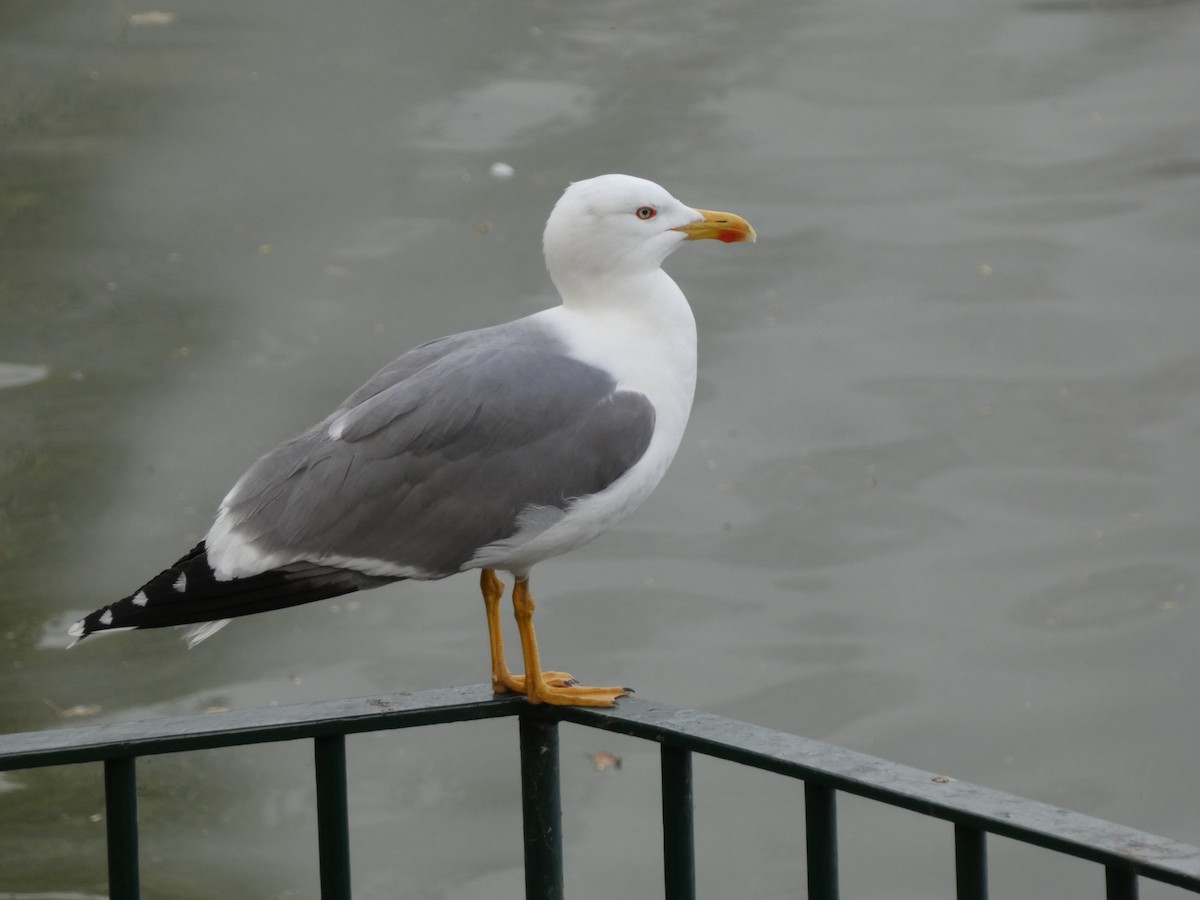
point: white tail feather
(194, 634)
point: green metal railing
(1126, 855)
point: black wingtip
(189, 592)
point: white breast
(647, 340)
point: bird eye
(646, 212)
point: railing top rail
(961, 802)
(173, 734)
(1047, 826)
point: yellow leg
(503, 680)
(538, 688)
(493, 589)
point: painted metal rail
(1127, 855)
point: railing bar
(541, 808)
(970, 862)
(333, 816)
(120, 816)
(1073, 834)
(820, 819)
(679, 850)
(1120, 884)
(238, 728)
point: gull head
(616, 227)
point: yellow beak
(721, 226)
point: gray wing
(440, 452)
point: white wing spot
(140, 598)
(181, 582)
(106, 617)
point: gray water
(937, 501)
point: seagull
(493, 449)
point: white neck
(648, 296)
(642, 328)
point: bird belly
(584, 519)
